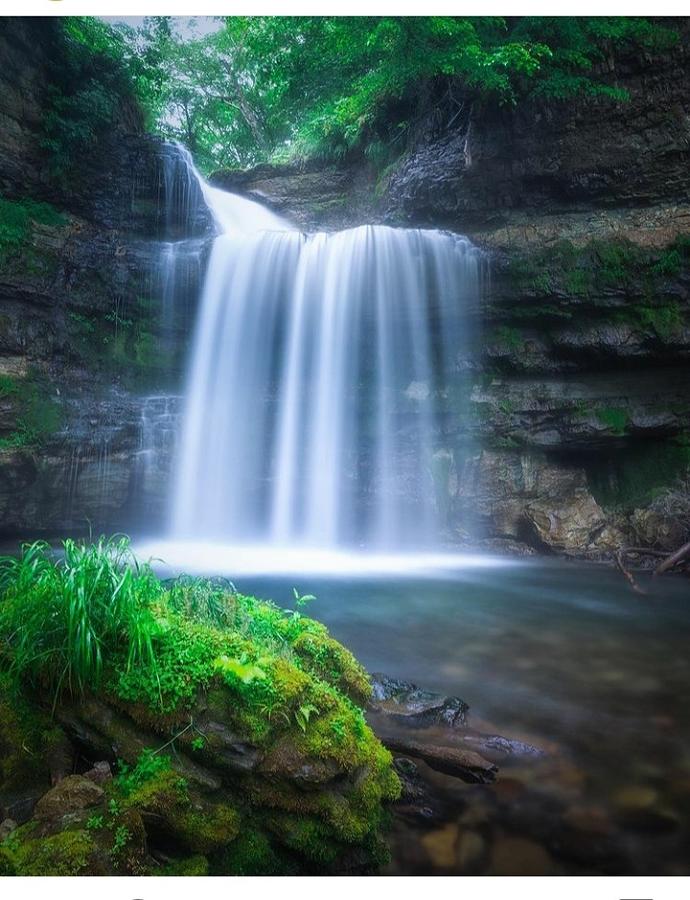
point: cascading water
(313, 406)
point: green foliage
(274, 676)
(125, 342)
(120, 840)
(17, 218)
(37, 415)
(508, 337)
(89, 84)
(634, 477)
(60, 618)
(148, 766)
(286, 87)
(603, 266)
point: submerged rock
(406, 702)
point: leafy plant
(59, 617)
(301, 600)
(234, 670)
(303, 713)
(120, 839)
(147, 767)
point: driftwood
(627, 574)
(668, 562)
(673, 560)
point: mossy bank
(185, 728)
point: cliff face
(577, 383)
(579, 386)
(84, 339)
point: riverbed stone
(441, 846)
(519, 856)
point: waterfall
(314, 406)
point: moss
(600, 265)
(206, 830)
(25, 736)
(663, 318)
(200, 826)
(17, 218)
(329, 660)
(252, 853)
(277, 680)
(37, 414)
(634, 477)
(614, 418)
(309, 837)
(65, 853)
(7, 866)
(510, 338)
(193, 866)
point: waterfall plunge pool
(559, 654)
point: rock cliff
(96, 301)
(577, 414)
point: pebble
(518, 856)
(588, 819)
(635, 797)
(440, 845)
(471, 850)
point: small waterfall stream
(313, 403)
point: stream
(562, 655)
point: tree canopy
(261, 88)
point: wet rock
(20, 804)
(570, 524)
(463, 764)
(286, 761)
(412, 705)
(495, 746)
(60, 758)
(416, 799)
(230, 748)
(75, 792)
(100, 773)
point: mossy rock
(27, 735)
(259, 708)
